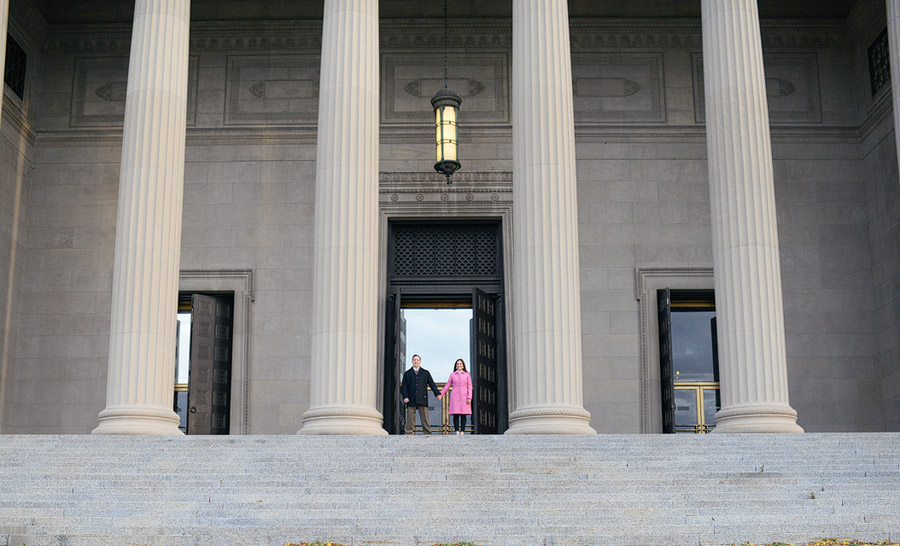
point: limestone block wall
(877, 151)
(15, 175)
(17, 152)
(642, 189)
(882, 194)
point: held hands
(440, 396)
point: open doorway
(444, 301)
(439, 332)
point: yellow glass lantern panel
(445, 120)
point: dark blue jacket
(414, 387)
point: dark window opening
(879, 62)
(14, 72)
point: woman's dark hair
(463, 363)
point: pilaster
(344, 353)
(546, 292)
(893, 25)
(141, 377)
(749, 309)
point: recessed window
(14, 72)
(879, 62)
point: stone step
(522, 491)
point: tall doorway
(445, 301)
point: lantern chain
(446, 40)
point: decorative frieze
(409, 80)
(618, 87)
(272, 89)
(586, 34)
(99, 89)
(791, 85)
(425, 190)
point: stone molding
(241, 283)
(646, 280)
(483, 186)
(307, 135)
(586, 34)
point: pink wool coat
(461, 382)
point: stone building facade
(304, 132)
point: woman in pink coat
(461, 395)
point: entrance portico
(545, 298)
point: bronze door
(484, 411)
(666, 370)
(209, 386)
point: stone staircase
(418, 491)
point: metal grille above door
(445, 250)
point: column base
(550, 420)
(138, 420)
(757, 418)
(351, 420)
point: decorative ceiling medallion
(258, 90)
(779, 87)
(112, 91)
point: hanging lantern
(446, 106)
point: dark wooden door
(392, 407)
(209, 384)
(484, 412)
(666, 364)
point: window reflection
(695, 367)
(692, 345)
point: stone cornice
(586, 34)
(306, 135)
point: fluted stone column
(141, 379)
(750, 316)
(547, 330)
(893, 25)
(344, 354)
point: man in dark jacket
(414, 390)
